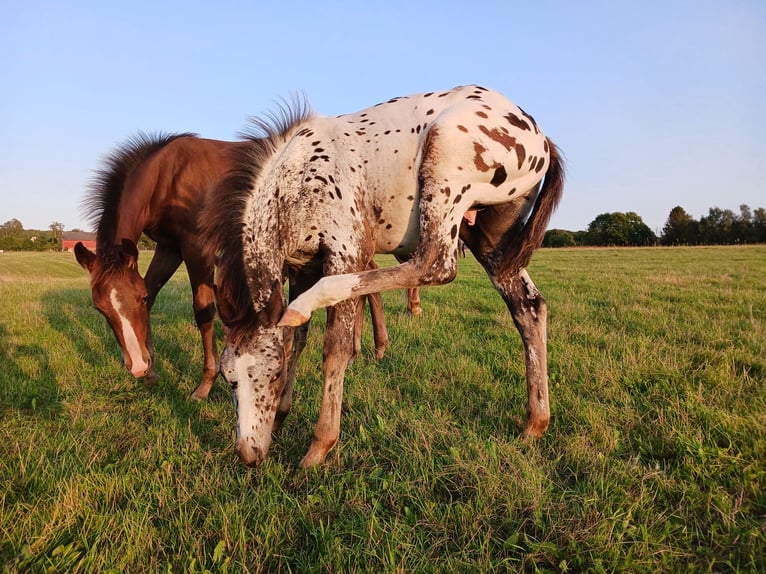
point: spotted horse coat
(322, 195)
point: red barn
(70, 238)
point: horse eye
(145, 299)
(275, 376)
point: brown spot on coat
(517, 122)
(500, 176)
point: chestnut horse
(323, 194)
(156, 185)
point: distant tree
(680, 228)
(57, 230)
(716, 228)
(580, 237)
(11, 227)
(759, 225)
(620, 229)
(743, 230)
(559, 238)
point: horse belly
(395, 210)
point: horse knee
(437, 270)
(205, 314)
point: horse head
(119, 293)
(254, 363)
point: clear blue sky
(655, 104)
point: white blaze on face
(138, 366)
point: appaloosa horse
(323, 194)
(156, 185)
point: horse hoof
(200, 394)
(534, 430)
(292, 318)
(380, 351)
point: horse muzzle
(249, 454)
(138, 368)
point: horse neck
(130, 215)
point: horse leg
(413, 301)
(379, 330)
(203, 300)
(164, 263)
(434, 263)
(413, 295)
(337, 352)
(294, 346)
(487, 240)
(529, 312)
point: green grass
(655, 459)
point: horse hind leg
(529, 312)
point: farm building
(70, 238)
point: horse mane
(107, 186)
(222, 217)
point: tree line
(718, 227)
(13, 237)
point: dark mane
(107, 185)
(223, 214)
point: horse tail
(525, 239)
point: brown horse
(156, 185)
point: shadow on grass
(28, 381)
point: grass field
(655, 460)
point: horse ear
(85, 257)
(131, 251)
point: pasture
(655, 459)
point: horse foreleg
(203, 300)
(164, 263)
(379, 329)
(337, 352)
(433, 263)
(204, 315)
(529, 312)
(413, 301)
